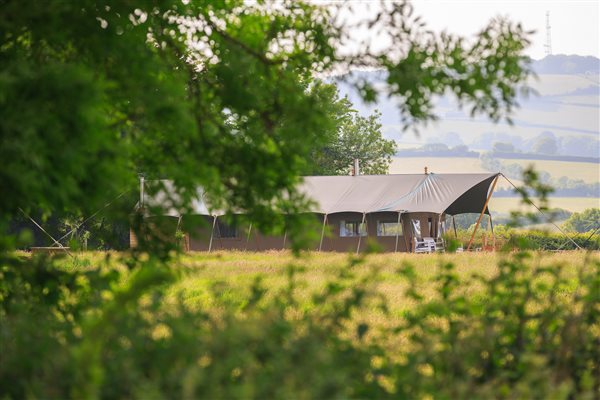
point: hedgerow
(113, 332)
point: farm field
(588, 172)
(573, 204)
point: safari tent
(403, 213)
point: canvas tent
(354, 207)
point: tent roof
(407, 193)
(435, 193)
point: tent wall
(163, 228)
(429, 224)
(246, 238)
(199, 236)
(334, 242)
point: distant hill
(561, 64)
(564, 110)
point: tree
(354, 137)
(545, 145)
(206, 93)
(585, 221)
(435, 147)
(211, 94)
(501, 147)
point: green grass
(224, 279)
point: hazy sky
(575, 23)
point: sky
(575, 24)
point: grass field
(225, 279)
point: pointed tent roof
(435, 193)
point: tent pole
(284, 239)
(220, 238)
(492, 230)
(177, 231)
(397, 232)
(248, 237)
(359, 234)
(323, 231)
(212, 231)
(482, 212)
(454, 226)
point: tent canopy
(435, 193)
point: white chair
(424, 245)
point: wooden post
(482, 212)
(211, 233)
(397, 231)
(323, 232)
(359, 234)
(284, 239)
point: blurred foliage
(585, 221)
(214, 94)
(527, 331)
(223, 95)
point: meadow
(239, 269)
(225, 279)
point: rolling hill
(564, 106)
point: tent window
(352, 228)
(226, 230)
(416, 224)
(389, 228)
